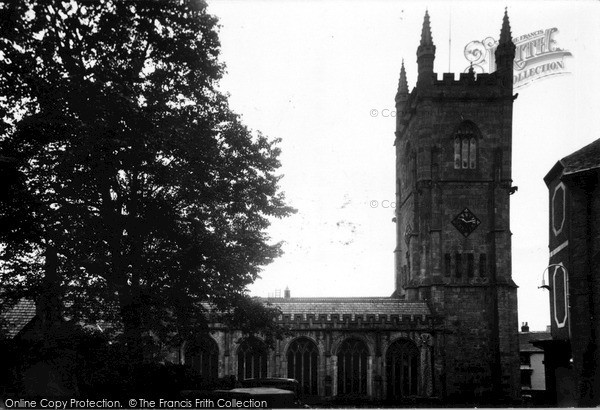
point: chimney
(286, 293)
(525, 327)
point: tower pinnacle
(505, 34)
(402, 83)
(505, 52)
(425, 53)
(426, 39)
(402, 94)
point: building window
(470, 265)
(202, 355)
(526, 378)
(482, 264)
(465, 146)
(352, 367)
(402, 365)
(252, 359)
(303, 362)
(458, 267)
(525, 359)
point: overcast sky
(311, 72)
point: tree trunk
(48, 306)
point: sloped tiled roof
(15, 318)
(582, 160)
(526, 337)
(23, 312)
(587, 158)
(355, 306)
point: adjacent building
(572, 279)
(533, 372)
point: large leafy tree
(133, 191)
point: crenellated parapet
(364, 320)
(355, 313)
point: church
(449, 330)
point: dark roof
(354, 306)
(526, 337)
(23, 312)
(15, 318)
(584, 159)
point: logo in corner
(537, 56)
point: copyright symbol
(374, 203)
(374, 113)
(132, 403)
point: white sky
(310, 73)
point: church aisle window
(352, 367)
(402, 364)
(202, 355)
(303, 362)
(252, 359)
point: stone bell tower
(453, 248)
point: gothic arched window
(303, 362)
(202, 355)
(402, 365)
(465, 146)
(352, 367)
(252, 359)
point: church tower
(453, 247)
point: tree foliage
(132, 190)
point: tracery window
(252, 359)
(352, 367)
(465, 146)
(402, 364)
(303, 362)
(202, 355)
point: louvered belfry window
(465, 146)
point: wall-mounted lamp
(543, 285)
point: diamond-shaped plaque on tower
(466, 222)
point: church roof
(17, 317)
(354, 306)
(13, 320)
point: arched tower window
(202, 355)
(352, 367)
(465, 146)
(303, 362)
(402, 365)
(252, 359)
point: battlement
(345, 319)
(452, 87)
(466, 79)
